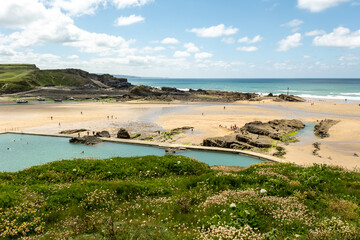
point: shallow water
(18, 151)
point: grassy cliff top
(24, 77)
(174, 197)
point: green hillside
(174, 197)
(24, 77)
(17, 77)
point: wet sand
(339, 149)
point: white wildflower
(74, 170)
(178, 162)
(233, 205)
(263, 191)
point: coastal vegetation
(174, 197)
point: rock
(255, 140)
(322, 129)
(226, 142)
(103, 134)
(170, 89)
(291, 98)
(87, 140)
(275, 129)
(123, 133)
(355, 155)
(172, 150)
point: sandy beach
(338, 149)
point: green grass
(174, 197)
(23, 77)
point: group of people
(232, 127)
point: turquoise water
(308, 88)
(18, 151)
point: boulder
(322, 129)
(226, 142)
(105, 134)
(87, 140)
(291, 98)
(275, 129)
(254, 140)
(123, 133)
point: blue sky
(187, 38)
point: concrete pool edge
(259, 156)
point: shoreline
(138, 116)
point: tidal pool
(20, 151)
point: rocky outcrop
(275, 129)
(256, 135)
(123, 133)
(105, 134)
(107, 80)
(229, 141)
(322, 129)
(254, 140)
(291, 98)
(87, 140)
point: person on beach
(59, 124)
(51, 117)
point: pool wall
(260, 156)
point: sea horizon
(313, 88)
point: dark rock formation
(256, 135)
(105, 134)
(123, 133)
(322, 129)
(174, 149)
(275, 129)
(101, 81)
(291, 98)
(226, 142)
(87, 140)
(254, 140)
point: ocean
(317, 88)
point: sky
(186, 38)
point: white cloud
(228, 40)
(73, 57)
(203, 55)
(339, 37)
(318, 5)
(14, 14)
(170, 41)
(190, 47)
(247, 49)
(125, 21)
(181, 54)
(51, 25)
(291, 41)
(151, 49)
(293, 23)
(214, 31)
(247, 40)
(315, 33)
(76, 7)
(129, 3)
(349, 57)
(307, 56)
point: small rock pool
(20, 151)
